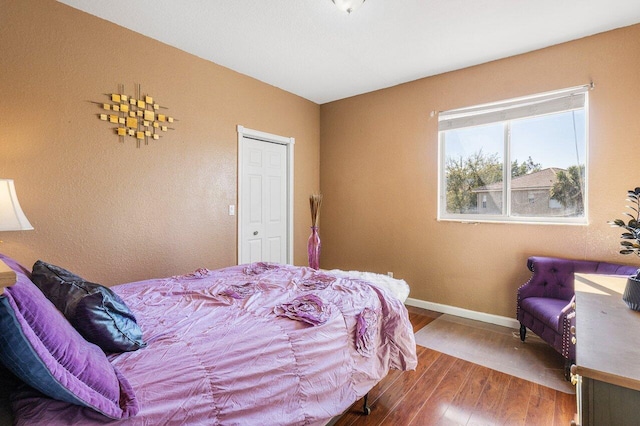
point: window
(520, 160)
(554, 204)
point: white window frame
(503, 112)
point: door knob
(255, 232)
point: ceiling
(314, 50)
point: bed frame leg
(366, 410)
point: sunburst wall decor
(136, 116)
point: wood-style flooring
(444, 390)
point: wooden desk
(607, 352)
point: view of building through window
(531, 167)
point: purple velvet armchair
(546, 301)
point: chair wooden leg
(567, 369)
(523, 332)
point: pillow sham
(41, 348)
(98, 314)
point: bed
(262, 343)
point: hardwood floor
(444, 390)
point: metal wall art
(136, 116)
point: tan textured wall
(379, 175)
(109, 211)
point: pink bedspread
(259, 344)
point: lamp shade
(348, 5)
(11, 216)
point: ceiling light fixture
(348, 5)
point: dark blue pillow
(98, 314)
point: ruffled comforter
(253, 344)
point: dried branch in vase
(315, 202)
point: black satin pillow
(98, 314)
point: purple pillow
(39, 346)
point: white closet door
(263, 207)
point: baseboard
(464, 313)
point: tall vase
(313, 248)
